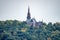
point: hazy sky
(48, 10)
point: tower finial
(28, 9)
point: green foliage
(16, 30)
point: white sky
(48, 10)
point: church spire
(28, 15)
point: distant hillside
(17, 30)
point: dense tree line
(17, 30)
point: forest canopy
(19, 30)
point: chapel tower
(28, 14)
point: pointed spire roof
(28, 15)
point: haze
(46, 10)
